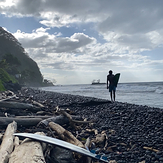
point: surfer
(112, 87)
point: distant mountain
(19, 61)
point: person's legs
(114, 90)
(114, 95)
(111, 96)
(111, 93)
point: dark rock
(161, 159)
(12, 86)
(60, 155)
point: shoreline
(135, 132)
(150, 96)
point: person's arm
(107, 82)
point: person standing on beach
(111, 87)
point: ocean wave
(137, 89)
(159, 91)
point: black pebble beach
(135, 131)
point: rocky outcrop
(10, 45)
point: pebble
(134, 125)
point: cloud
(78, 50)
(76, 41)
(123, 16)
(131, 21)
(40, 38)
(124, 29)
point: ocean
(143, 93)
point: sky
(78, 41)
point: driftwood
(87, 146)
(4, 121)
(92, 131)
(88, 143)
(112, 161)
(151, 149)
(72, 121)
(16, 141)
(29, 151)
(65, 135)
(6, 147)
(18, 105)
(1, 136)
(61, 120)
(38, 104)
(31, 116)
(12, 104)
(5, 99)
(101, 140)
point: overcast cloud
(121, 35)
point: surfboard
(116, 78)
(62, 144)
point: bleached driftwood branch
(65, 135)
(29, 151)
(7, 144)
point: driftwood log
(8, 98)
(11, 104)
(33, 120)
(70, 117)
(33, 116)
(61, 120)
(4, 121)
(19, 105)
(38, 104)
(29, 151)
(7, 144)
(65, 135)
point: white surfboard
(62, 144)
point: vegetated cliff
(11, 51)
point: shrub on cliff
(2, 88)
(5, 78)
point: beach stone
(161, 159)
(156, 162)
(141, 158)
(135, 126)
(157, 156)
(60, 155)
(121, 161)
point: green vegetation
(7, 70)
(10, 70)
(11, 59)
(2, 88)
(10, 63)
(5, 77)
